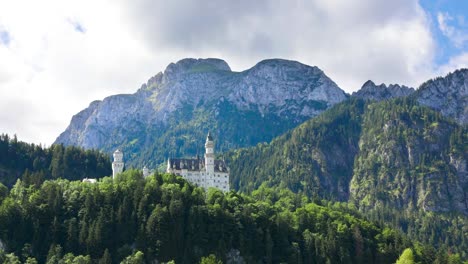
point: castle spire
(209, 137)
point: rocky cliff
(171, 114)
(381, 92)
(449, 95)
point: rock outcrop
(371, 91)
(448, 94)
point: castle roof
(209, 137)
(196, 165)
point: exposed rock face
(381, 92)
(449, 95)
(288, 87)
(196, 95)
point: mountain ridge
(448, 94)
(370, 90)
(204, 94)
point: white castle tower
(146, 172)
(209, 159)
(118, 164)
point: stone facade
(205, 173)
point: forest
(34, 163)
(162, 217)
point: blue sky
(457, 10)
(58, 56)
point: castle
(207, 172)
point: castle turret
(146, 172)
(209, 155)
(118, 164)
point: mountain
(393, 152)
(398, 162)
(315, 158)
(381, 92)
(448, 94)
(410, 157)
(396, 152)
(171, 114)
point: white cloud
(351, 40)
(62, 55)
(457, 62)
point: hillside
(163, 218)
(410, 157)
(315, 158)
(395, 160)
(171, 114)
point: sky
(57, 56)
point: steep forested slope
(410, 157)
(398, 162)
(316, 158)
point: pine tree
(106, 258)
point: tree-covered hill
(165, 218)
(315, 158)
(398, 162)
(34, 163)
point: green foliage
(163, 217)
(407, 257)
(34, 163)
(136, 258)
(211, 259)
(315, 158)
(393, 160)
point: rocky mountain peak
(281, 68)
(448, 94)
(286, 87)
(370, 90)
(191, 65)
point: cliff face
(371, 91)
(172, 112)
(449, 95)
